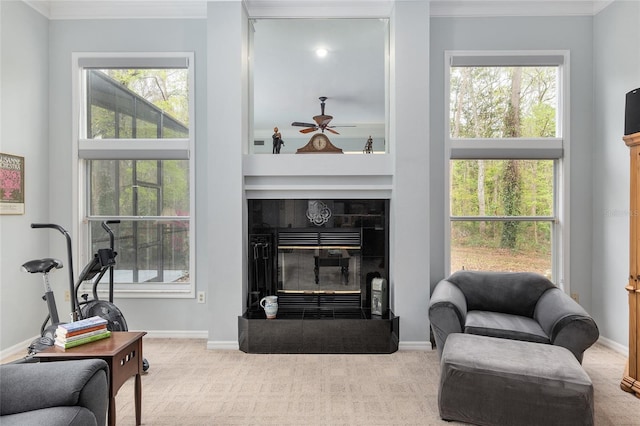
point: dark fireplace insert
(319, 257)
(316, 254)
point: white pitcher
(270, 306)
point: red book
(61, 331)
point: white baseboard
(194, 334)
(226, 345)
(21, 348)
(176, 334)
(17, 349)
(414, 346)
(613, 345)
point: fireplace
(320, 258)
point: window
(507, 156)
(135, 145)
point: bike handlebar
(105, 226)
(49, 225)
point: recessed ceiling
(288, 76)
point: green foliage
(138, 103)
(482, 105)
(511, 197)
(164, 88)
(480, 99)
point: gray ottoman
(492, 381)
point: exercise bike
(45, 267)
(102, 261)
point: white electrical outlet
(67, 296)
(202, 297)
(575, 297)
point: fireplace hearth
(319, 257)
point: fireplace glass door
(316, 253)
(326, 261)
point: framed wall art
(11, 184)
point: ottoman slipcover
(492, 381)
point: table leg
(112, 411)
(138, 399)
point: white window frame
(557, 148)
(85, 149)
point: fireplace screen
(319, 261)
(317, 252)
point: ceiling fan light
(321, 52)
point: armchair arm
(447, 312)
(566, 322)
(32, 386)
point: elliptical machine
(103, 260)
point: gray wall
(616, 71)
(409, 218)
(130, 35)
(24, 132)
(36, 119)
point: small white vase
(270, 306)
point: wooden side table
(122, 351)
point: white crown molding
(197, 9)
(323, 9)
(599, 5)
(40, 6)
(495, 8)
(117, 9)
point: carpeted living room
(302, 212)
(194, 386)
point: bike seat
(41, 265)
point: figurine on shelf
(368, 147)
(277, 141)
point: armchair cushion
(506, 326)
(64, 392)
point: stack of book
(80, 332)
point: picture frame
(11, 184)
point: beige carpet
(190, 385)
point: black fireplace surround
(319, 257)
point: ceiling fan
(321, 121)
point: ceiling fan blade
(309, 130)
(299, 124)
(332, 131)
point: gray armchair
(54, 393)
(512, 305)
